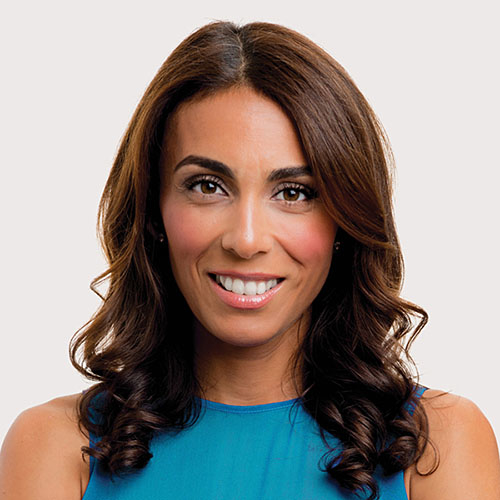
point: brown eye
(291, 194)
(294, 193)
(205, 186)
(208, 187)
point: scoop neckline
(278, 405)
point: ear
(155, 228)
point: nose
(247, 230)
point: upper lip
(247, 276)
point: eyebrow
(221, 168)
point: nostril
(246, 245)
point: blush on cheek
(187, 232)
(312, 241)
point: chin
(246, 340)
(246, 336)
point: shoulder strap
(95, 416)
(411, 404)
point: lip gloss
(245, 301)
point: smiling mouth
(245, 287)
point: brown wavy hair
(354, 366)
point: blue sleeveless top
(259, 452)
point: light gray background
(71, 76)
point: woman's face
(250, 245)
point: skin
(242, 356)
(469, 465)
(40, 457)
(249, 224)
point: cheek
(311, 241)
(187, 233)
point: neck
(246, 375)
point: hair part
(354, 364)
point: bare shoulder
(463, 450)
(41, 457)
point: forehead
(237, 126)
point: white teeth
(238, 286)
(245, 287)
(271, 283)
(250, 288)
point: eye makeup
(296, 188)
(291, 193)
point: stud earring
(161, 238)
(336, 246)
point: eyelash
(190, 183)
(308, 192)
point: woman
(252, 342)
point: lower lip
(245, 301)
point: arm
(469, 465)
(41, 458)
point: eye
(293, 193)
(205, 185)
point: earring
(336, 246)
(161, 238)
